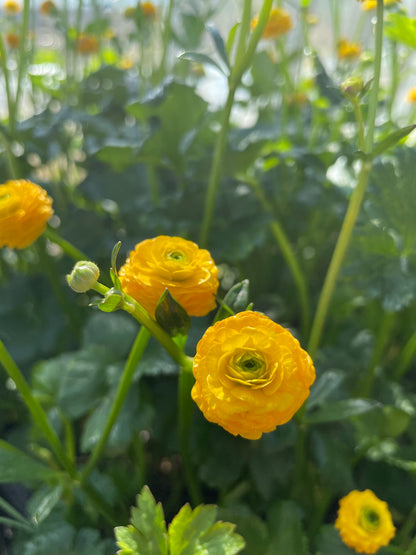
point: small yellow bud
(83, 276)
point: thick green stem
(122, 391)
(36, 410)
(65, 245)
(11, 160)
(6, 75)
(355, 201)
(242, 63)
(407, 355)
(186, 381)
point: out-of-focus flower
(348, 50)
(372, 4)
(251, 374)
(411, 95)
(13, 40)
(126, 63)
(148, 9)
(48, 7)
(12, 7)
(364, 521)
(279, 23)
(87, 44)
(25, 209)
(188, 272)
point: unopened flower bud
(83, 276)
(352, 87)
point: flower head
(411, 95)
(278, 24)
(148, 9)
(348, 50)
(368, 5)
(364, 521)
(24, 210)
(47, 7)
(251, 374)
(12, 7)
(87, 44)
(188, 272)
(13, 40)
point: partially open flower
(172, 263)
(279, 23)
(251, 374)
(25, 209)
(364, 521)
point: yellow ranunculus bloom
(87, 44)
(348, 50)
(148, 9)
(12, 7)
(372, 4)
(411, 95)
(188, 272)
(24, 210)
(278, 24)
(47, 7)
(364, 521)
(251, 374)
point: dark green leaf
(323, 387)
(392, 140)
(171, 316)
(200, 58)
(44, 501)
(235, 300)
(219, 43)
(16, 466)
(340, 410)
(286, 531)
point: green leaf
(200, 58)
(249, 525)
(113, 271)
(219, 43)
(340, 410)
(231, 38)
(329, 542)
(324, 387)
(112, 300)
(43, 502)
(285, 525)
(16, 466)
(146, 534)
(171, 316)
(401, 28)
(392, 140)
(235, 300)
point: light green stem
(11, 160)
(122, 390)
(6, 75)
(242, 63)
(65, 245)
(167, 31)
(355, 201)
(36, 410)
(406, 358)
(22, 57)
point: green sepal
(171, 316)
(113, 269)
(236, 300)
(113, 300)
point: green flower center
(369, 519)
(178, 256)
(248, 368)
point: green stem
(360, 122)
(122, 391)
(243, 31)
(11, 160)
(243, 60)
(186, 381)
(6, 75)
(355, 201)
(65, 245)
(406, 358)
(167, 31)
(36, 410)
(22, 55)
(406, 530)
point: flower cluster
(25, 209)
(251, 374)
(364, 521)
(172, 263)
(279, 23)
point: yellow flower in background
(25, 209)
(188, 272)
(251, 374)
(87, 44)
(364, 521)
(348, 50)
(148, 9)
(12, 40)
(411, 95)
(46, 8)
(12, 7)
(372, 4)
(279, 23)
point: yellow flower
(411, 95)
(348, 50)
(251, 374)
(278, 24)
(13, 40)
(12, 7)
(148, 9)
(364, 521)
(372, 4)
(24, 210)
(188, 272)
(47, 7)
(87, 44)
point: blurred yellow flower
(348, 50)
(251, 374)
(25, 209)
(188, 272)
(12, 7)
(372, 4)
(279, 23)
(87, 44)
(148, 9)
(364, 521)
(46, 8)
(411, 95)
(12, 40)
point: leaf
(16, 466)
(249, 525)
(392, 140)
(200, 58)
(231, 38)
(340, 410)
(329, 542)
(323, 387)
(285, 525)
(44, 501)
(235, 300)
(401, 28)
(171, 316)
(219, 43)
(146, 534)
